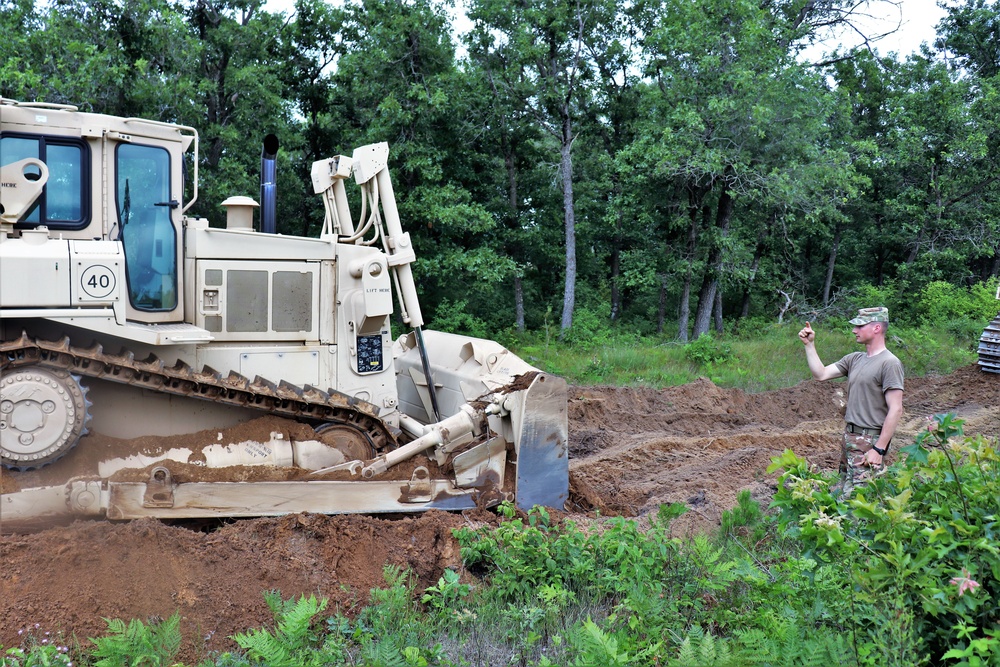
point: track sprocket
(43, 414)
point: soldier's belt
(851, 428)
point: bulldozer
(155, 365)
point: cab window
(63, 203)
(143, 201)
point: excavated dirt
(631, 450)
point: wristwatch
(880, 452)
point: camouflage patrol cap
(866, 315)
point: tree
(547, 42)
(740, 115)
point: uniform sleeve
(892, 377)
(845, 363)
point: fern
(293, 642)
(597, 648)
(382, 654)
(137, 644)
(790, 646)
(703, 649)
(264, 647)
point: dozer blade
(542, 443)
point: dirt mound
(631, 450)
(68, 579)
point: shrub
(942, 302)
(294, 641)
(39, 648)
(919, 538)
(753, 328)
(706, 350)
(455, 318)
(589, 330)
(890, 295)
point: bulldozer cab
(106, 179)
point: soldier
(874, 394)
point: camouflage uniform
(853, 469)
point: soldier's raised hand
(807, 335)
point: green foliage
(920, 537)
(773, 360)
(785, 643)
(655, 586)
(524, 558)
(705, 350)
(137, 643)
(892, 295)
(745, 522)
(455, 318)
(36, 656)
(699, 649)
(941, 301)
(599, 649)
(754, 328)
(391, 630)
(936, 304)
(448, 592)
(590, 330)
(39, 648)
(295, 639)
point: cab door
(148, 216)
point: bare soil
(631, 450)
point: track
(283, 399)
(631, 449)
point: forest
(657, 166)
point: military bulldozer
(138, 345)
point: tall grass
(768, 357)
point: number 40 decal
(97, 281)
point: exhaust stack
(268, 185)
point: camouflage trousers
(854, 471)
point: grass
(769, 358)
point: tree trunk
(713, 267)
(566, 169)
(661, 312)
(509, 147)
(519, 303)
(828, 283)
(758, 254)
(616, 295)
(717, 311)
(706, 301)
(684, 310)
